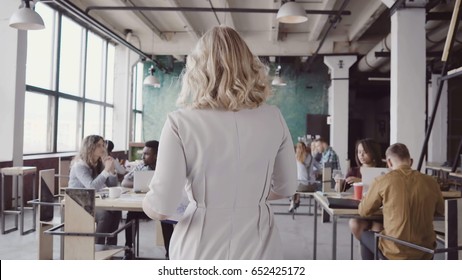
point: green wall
(305, 93)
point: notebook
(342, 203)
(141, 180)
(369, 174)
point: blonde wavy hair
(87, 149)
(301, 152)
(222, 73)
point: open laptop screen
(141, 180)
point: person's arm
(372, 202)
(83, 174)
(169, 180)
(127, 182)
(284, 183)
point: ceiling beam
(186, 23)
(320, 21)
(144, 19)
(205, 9)
(370, 14)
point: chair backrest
(46, 194)
(80, 209)
(453, 227)
(63, 172)
(327, 178)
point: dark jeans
(107, 222)
(167, 230)
(368, 246)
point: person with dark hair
(368, 154)
(212, 149)
(149, 163)
(328, 154)
(93, 168)
(409, 202)
(118, 167)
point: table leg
(20, 184)
(334, 237)
(315, 228)
(351, 246)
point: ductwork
(369, 62)
(436, 33)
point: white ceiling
(176, 32)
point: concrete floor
(296, 235)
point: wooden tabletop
(126, 202)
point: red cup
(358, 191)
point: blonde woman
(305, 175)
(94, 169)
(213, 149)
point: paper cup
(115, 192)
(358, 191)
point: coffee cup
(115, 192)
(358, 191)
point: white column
(12, 86)
(437, 144)
(338, 104)
(124, 60)
(407, 97)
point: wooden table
(437, 166)
(321, 198)
(128, 201)
(336, 213)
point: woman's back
(229, 161)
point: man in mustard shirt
(409, 201)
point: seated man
(149, 163)
(328, 155)
(410, 200)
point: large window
(137, 102)
(69, 82)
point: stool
(17, 194)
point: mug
(115, 192)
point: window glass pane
(37, 123)
(108, 126)
(93, 120)
(69, 125)
(110, 74)
(40, 51)
(139, 87)
(70, 66)
(94, 68)
(138, 127)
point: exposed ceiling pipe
(435, 32)
(435, 41)
(205, 9)
(369, 62)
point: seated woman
(368, 154)
(305, 174)
(93, 169)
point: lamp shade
(26, 19)
(278, 81)
(291, 12)
(151, 81)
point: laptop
(342, 203)
(141, 180)
(370, 173)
